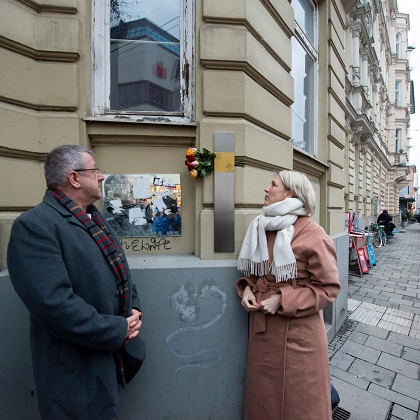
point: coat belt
(260, 288)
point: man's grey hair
(61, 161)
(300, 187)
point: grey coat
(67, 285)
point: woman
(290, 271)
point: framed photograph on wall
(143, 205)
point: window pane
(145, 56)
(303, 117)
(304, 17)
(398, 45)
(398, 93)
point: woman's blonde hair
(300, 187)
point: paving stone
(405, 293)
(402, 413)
(415, 310)
(394, 397)
(358, 337)
(401, 301)
(342, 360)
(361, 352)
(368, 286)
(372, 373)
(360, 382)
(395, 287)
(406, 386)
(398, 314)
(386, 295)
(384, 289)
(415, 327)
(398, 365)
(410, 342)
(386, 303)
(391, 326)
(359, 402)
(411, 355)
(411, 299)
(372, 330)
(385, 346)
(364, 298)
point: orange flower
(191, 151)
(193, 173)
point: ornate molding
(252, 73)
(37, 107)
(356, 131)
(38, 55)
(356, 76)
(48, 8)
(22, 154)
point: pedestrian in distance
(386, 219)
(290, 276)
(66, 265)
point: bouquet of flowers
(199, 163)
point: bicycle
(379, 237)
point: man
(385, 219)
(66, 265)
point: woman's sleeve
(321, 285)
(243, 282)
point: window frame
(313, 53)
(101, 69)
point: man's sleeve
(40, 278)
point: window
(398, 45)
(304, 71)
(397, 140)
(143, 59)
(398, 93)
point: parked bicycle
(379, 237)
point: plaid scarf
(112, 252)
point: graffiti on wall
(143, 205)
(185, 343)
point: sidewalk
(375, 357)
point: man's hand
(249, 301)
(271, 304)
(133, 325)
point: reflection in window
(304, 59)
(145, 56)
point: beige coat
(288, 375)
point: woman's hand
(271, 304)
(249, 301)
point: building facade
(379, 103)
(297, 84)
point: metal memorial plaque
(224, 192)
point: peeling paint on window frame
(101, 69)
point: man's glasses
(96, 171)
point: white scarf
(254, 259)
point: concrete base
(195, 332)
